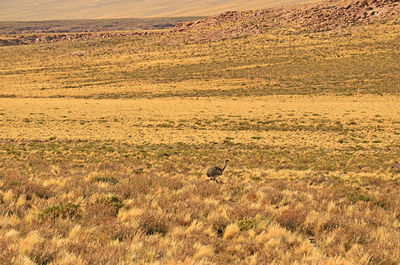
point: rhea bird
(213, 172)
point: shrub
(112, 201)
(152, 223)
(247, 224)
(110, 180)
(43, 253)
(291, 219)
(8, 253)
(219, 225)
(354, 197)
(61, 210)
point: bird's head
(227, 160)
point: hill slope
(14, 10)
(314, 17)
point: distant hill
(90, 25)
(313, 17)
(37, 10)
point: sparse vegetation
(105, 144)
(152, 67)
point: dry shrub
(333, 193)
(171, 183)
(331, 224)
(178, 202)
(21, 185)
(98, 211)
(152, 223)
(250, 247)
(105, 179)
(110, 228)
(8, 252)
(105, 254)
(113, 202)
(291, 219)
(235, 191)
(183, 219)
(343, 238)
(273, 196)
(219, 224)
(205, 190)
(168, 167)
(380, 257)
(104, 220)
(66, 258)
(44, 253)
(252, 196)
(242, 210)
(39, 190)
(136, 185)
(355, 233)
(108, 166)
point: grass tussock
(257, 215)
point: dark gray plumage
(214, 172)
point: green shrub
(61, 210)
(112, 201)
(354, 197)
(247, 224)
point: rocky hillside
(329, 15)
(324, 16)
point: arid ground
(105, 142)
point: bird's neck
(224, 166)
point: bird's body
(213, 172)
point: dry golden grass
(329, 121)
(313, 179)
(360, 60)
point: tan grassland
(104, 145)
(363, 60)
(267, 120)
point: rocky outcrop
(330, 15)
